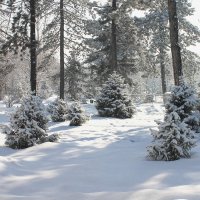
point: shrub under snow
(174, 137)
(77, 115)
(114, 100)
(9, 100)
(172, 141)
(183, 100)
(27, 125)
(58, 110)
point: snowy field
(105, 159)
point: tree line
(94, 40)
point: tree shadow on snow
(58, 170)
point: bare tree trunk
(162, 68)
(114, 39)
(33, 48)
(175, 48)
(1, 92)
(61, 50)
(162, 59)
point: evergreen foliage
(77, 115)
(74, 13)
(100, 43)
(172, 141)
(74, 77)
(194, 121)
(183, 101)
(114, 100)
(28, 124)
(9, 100)
(149, 98)
(175, 138)
(58, 110)
(154, 27)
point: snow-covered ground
(105, 159)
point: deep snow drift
(105, 159)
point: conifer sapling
(28, 124)
(77, 115)
(175, 138)
(114, 100)
(58, 110)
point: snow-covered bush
(175, 136)
(194, 121)
(183, 100)
(50, 138)
(9, 100)
(114, 100)
(58, 110)
(77, 115)
(27, 125)
(172, 141)
(149, 98)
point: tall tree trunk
(174, 39)
(162, 68)
(1, 92)
(33, 48)
(114, 39)
(61, 50)
(162, 58)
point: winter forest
(99, 99)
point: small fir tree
(183, 100)
(77, 115)
(28, 124)
(172, 141)
(194, 121)
(175, 138)
(58, 110)
(9, 100)
(114, 100)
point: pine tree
(175, 138)
(172, 141)
(183, 101)
(113, 51)
(114, 100)
(25, 13)
(63, 31)
(62, 50)
(58, 110)
(74, 77)
(6, 66)
(28, 124)
(154, 28)
(174, 40)
(77, 115)
(101, 42)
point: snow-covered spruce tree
(175, 138)
(58, 110)
(28, 124)
(183, 100)
(194, 121)
(77, 115)
(74, 76)
(114, 100)
(172, 141)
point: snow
(105, 159)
